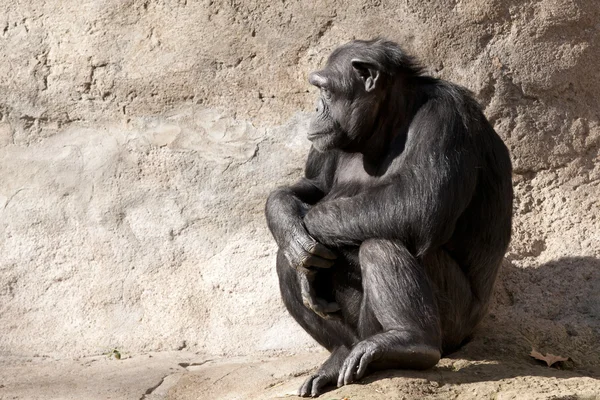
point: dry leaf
(549, 358)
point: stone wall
(139, 140)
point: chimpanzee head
(354, 84)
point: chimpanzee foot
(387, 350)
(325, 376)
(321, 307)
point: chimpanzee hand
(321, 307)
(304, 252)
(358, 360)
(326, 375)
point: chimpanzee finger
(317, 386)
(292, 260)
(303, 270)
(315, 261)
(347, 371)
(319, 250)
(324, 308)
(319, 312)
(334, 316)
(306, 388)
(330, 316)
(315, 307)
(362, 366)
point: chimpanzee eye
(325, 93)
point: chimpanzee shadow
(554, 308)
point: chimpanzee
(390, 244)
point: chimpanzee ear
(367, 72)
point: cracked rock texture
(139, 140)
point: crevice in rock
(194, 364)
(153, 388)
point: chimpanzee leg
(460, 311)
(332, 334)
(401, 297)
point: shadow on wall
(554, 308)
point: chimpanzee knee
(398, 290)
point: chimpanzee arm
(421, 203)
(287, 206)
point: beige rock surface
(146, 376)
(187, 376)
(139, 140)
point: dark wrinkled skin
(390, 244)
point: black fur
(390, 245)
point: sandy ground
(184, 375)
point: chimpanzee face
(348, 103)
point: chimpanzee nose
(319, 107)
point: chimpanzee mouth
(315, 135)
